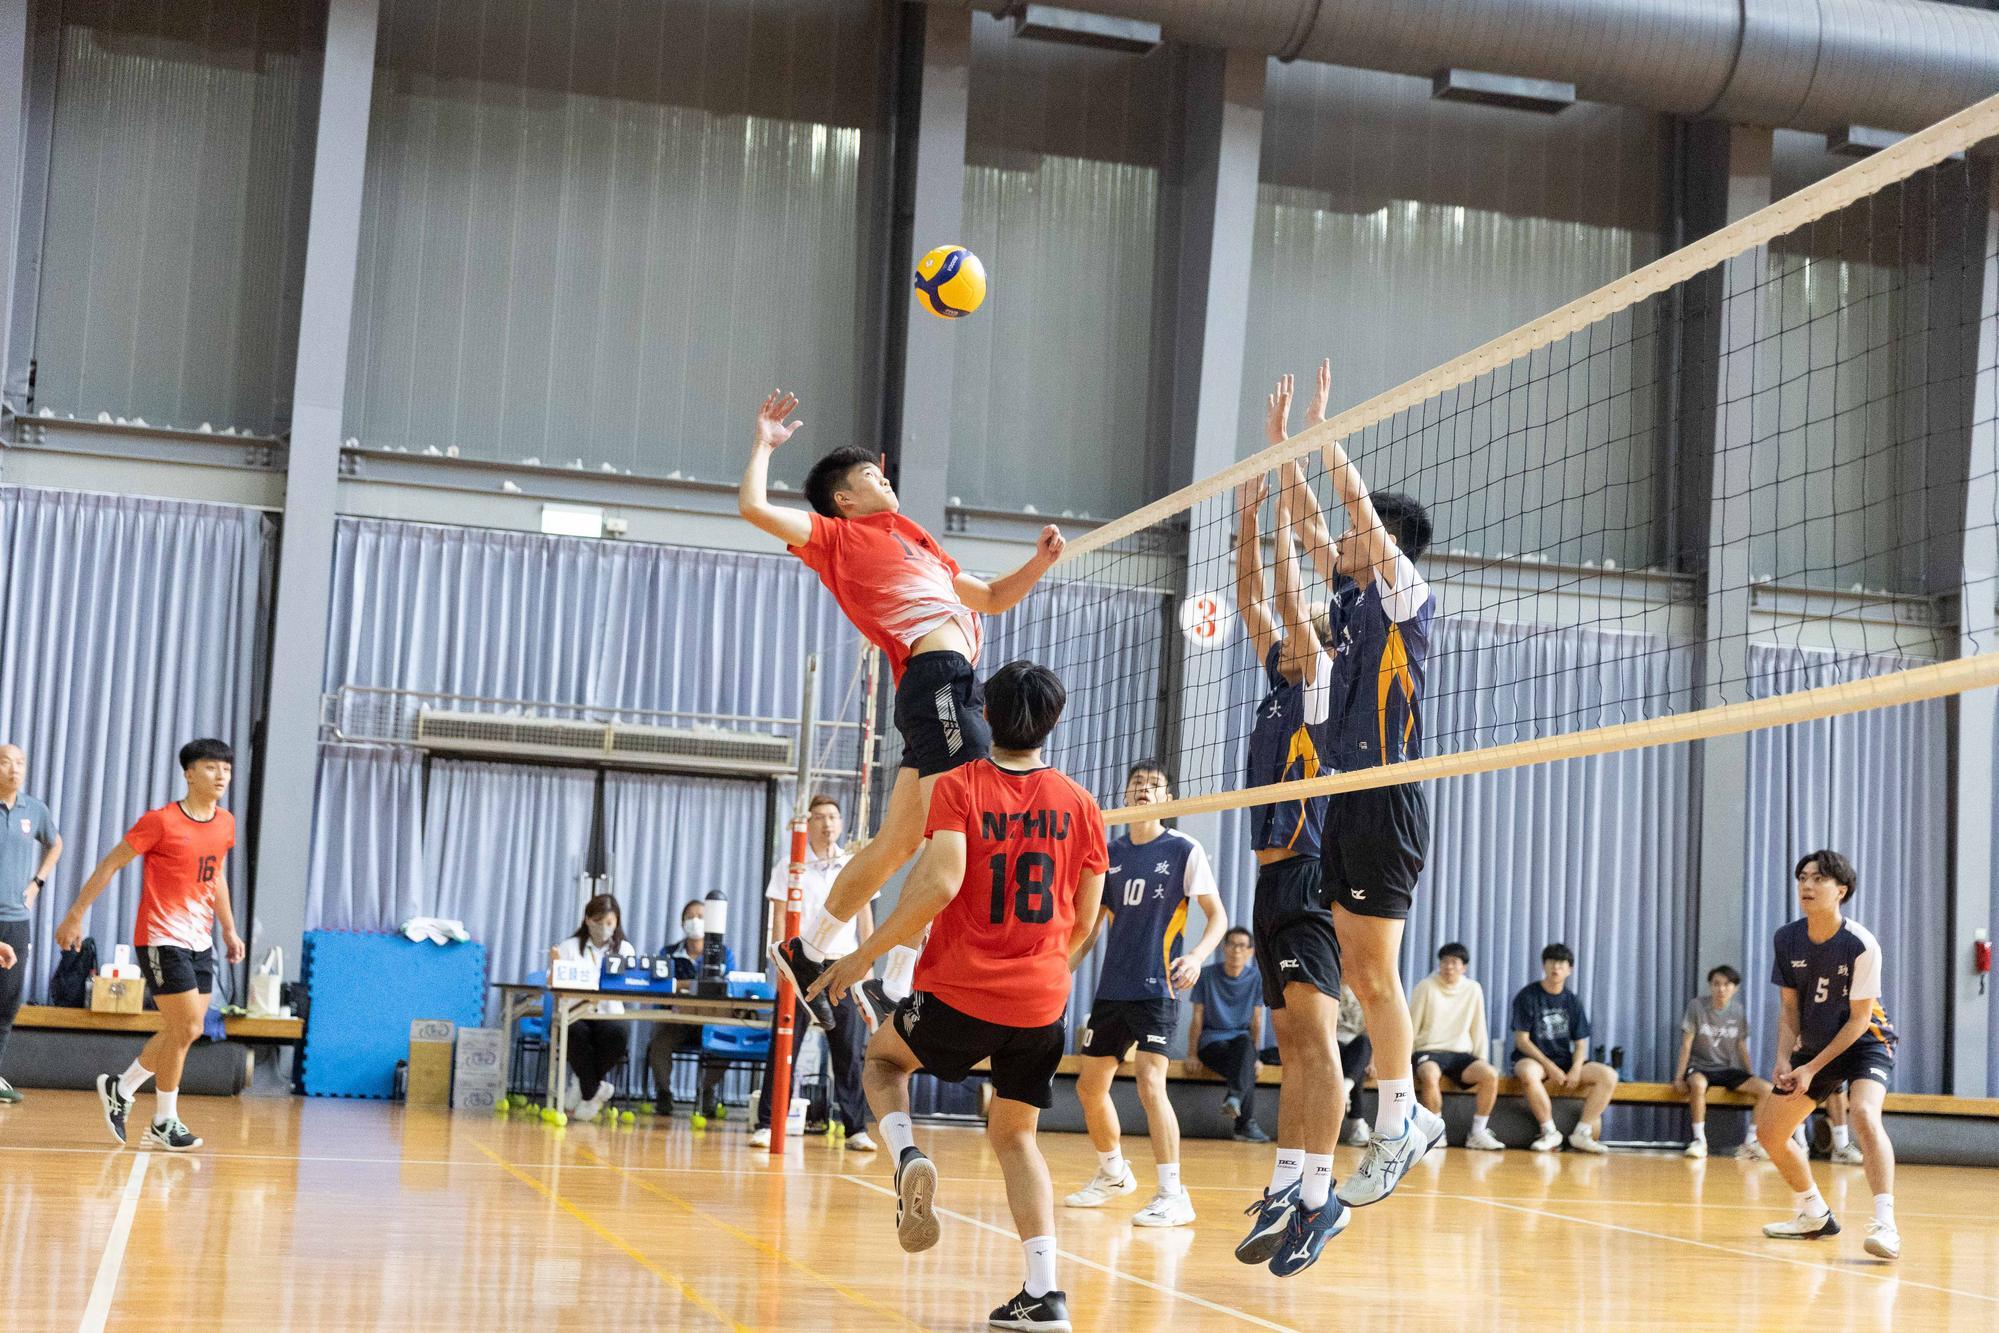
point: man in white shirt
(1447, 1010)
(847, 1038)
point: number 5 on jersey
(1033, 896)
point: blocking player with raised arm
(184, 893)
(1377, 838)
(910, 599)
(1155, 872)
(1013, 877)
(1296, 946)
(1831, 1030)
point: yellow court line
(1886, 1272)
(669, 1278)
(754, 1240)
(1119, 1274)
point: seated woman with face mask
(670, 1037)
(595, 1047)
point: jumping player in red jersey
(186, 845)
(1027, 844)
(908, 598)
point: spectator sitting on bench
(1227, 1029)
(1447, 1009)
(1714, 1052)
(670, 1037)
(1551, 1033)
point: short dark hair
(830, 474)
(1149, 766)
(206, 748)
(1834, 867)
(1407, 521)
(1726, 973)
(1457, 951)
(1558, 953)
(1234, 931)
(1023, 704)
(820, 798)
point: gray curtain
(1875, 786)
(127, 628)
(668, 838)
(367, 840)
(504, 852)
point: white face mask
(600, 932)
(691, 928)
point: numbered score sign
(1206, 619)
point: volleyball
(951, 282)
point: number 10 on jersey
(1030, 878)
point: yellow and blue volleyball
(951, 282)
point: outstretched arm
(1376, 546)
(69, 933)
(1004, 593)
(1312, 527)
(1249, 592)
(929, 890)
(1301, 641)
(753, 493)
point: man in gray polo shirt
(29, 848)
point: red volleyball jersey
(891, 578)
(1000, 951)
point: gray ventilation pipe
(1799, 64)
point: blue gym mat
(365, 990)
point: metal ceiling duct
(1800, 64)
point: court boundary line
(833, 1284)
(1188, 1296)
(104, 1286)
(1890, 1270)
(618, 1242)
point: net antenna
(1830, 323)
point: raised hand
(1277, 424)
(772, 429)
(1249, 496)
(1050, 546)
(1315, 411)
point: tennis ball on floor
(721, 1112)
(560, 1117)
(698, 1120)
(646, 1107)
(627, 1118)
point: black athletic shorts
(1866, 1058)
(1728, 1080)
(1452, 1064)
(1292, 921)
(949, 1043)
(1116, 1026)
(171, 970)
(1375, 842)
(940, 713)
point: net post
(794, 902)
(870, 693)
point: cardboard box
(117, 995)
(430, 1062)
(475, 1077)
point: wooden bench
(289, 1030)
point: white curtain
(1873, 785)
(504, 852)
(128, 627)
(367, 840)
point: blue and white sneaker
(1307, 1234)
(1273, 1214)
(1387, 1160)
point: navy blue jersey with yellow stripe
(1146, 891)
(1381, 655)
(1287, 743)
(1829, 975)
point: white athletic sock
(1548, 1127)
(1809, 1203)
(166, 1106)
(133, 1079)
(1290, 1166)
(1478, 1123)
(822, 935)
(1040, 1252)
(895, 1127)
(1111, 1163)
(899, 973)
(1317, 1185)
(1700, 1131)
(1884, 1209)
(1840, 1135)
(1393, 1098)
(1169, 1177)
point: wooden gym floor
(349, 1214)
